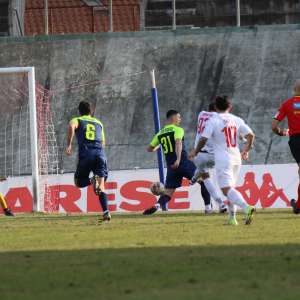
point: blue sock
(103, 201)
(163, 200)
(164, 207)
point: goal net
(28, 145)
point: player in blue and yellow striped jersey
(91, 156)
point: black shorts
(294, 143)
(174, 178)
(94, 163)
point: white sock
(231, 210)
(235, 197)
(213, 191)
(208, 207)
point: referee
(291, 110)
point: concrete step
(159, 12)
(167, 4)
(186, 11)
(166, 20)
(168, 27)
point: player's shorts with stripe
(174, 178)
(204, 161)
(227, 175)
(294, 143)
(94, 162)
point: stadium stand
(75, 16)
(211, 13)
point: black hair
(84, 108)
(212, 107)
(222, 103)
(171, 113)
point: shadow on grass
(210, 272)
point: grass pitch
(171, 256)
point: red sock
(298, 202)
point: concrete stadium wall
(256, 66)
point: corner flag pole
(157, 126)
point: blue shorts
(174, 178)
(92, 163)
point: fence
(54, 17)
(173, 14)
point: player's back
(167, 137)
(203, 118)
(225, 128)
(90, 135)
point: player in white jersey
(205, 161)
(223, 130)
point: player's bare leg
(163, 200)
(296, 204)
(99, 188)
(235, 198)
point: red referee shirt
(290, 109)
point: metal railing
(174, 14)
(171, 14)
(238, 14)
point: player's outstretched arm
(178, 151)
(277, 130)
(250, 137)
(71, 132)
(198, 148)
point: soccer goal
(28, 145)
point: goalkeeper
(91, 141)
(3, 204)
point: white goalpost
(29, 145)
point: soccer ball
(157, 188)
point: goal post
(18, 89)
(33, 129)
(34, 140)
(156, 119)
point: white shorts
(204, 162)
(227, 175)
